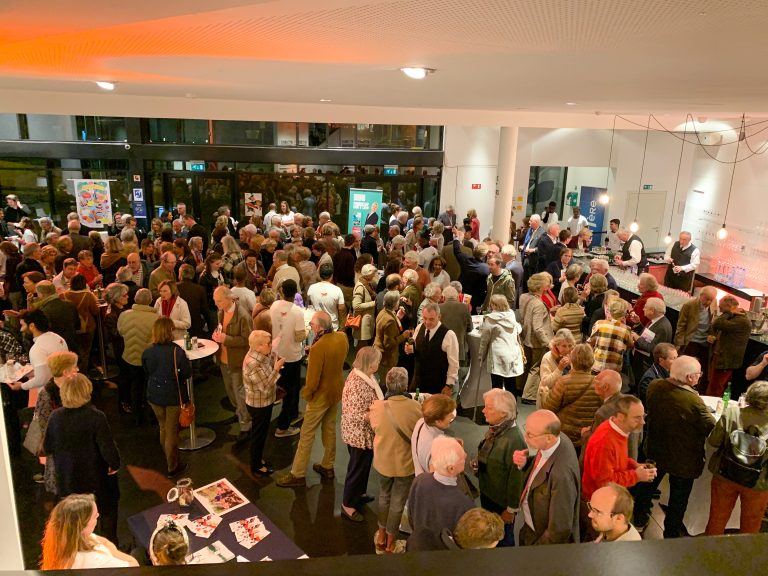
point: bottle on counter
(187, 341)
(726, 396)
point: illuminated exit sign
(476, 186)
(197, 166)
(390, 170)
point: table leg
(195, 438)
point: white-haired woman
(412, 292)
(725, 492)
(501, 482)
(361, 390)
(499, 344)
(232, 257)
(432, 293)
(555, 362)
(364, 304)
(393, 421)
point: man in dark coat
(678, 424)
(474, 271)
(196, 229)
(196, 298)
(62, 315)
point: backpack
(744, 456)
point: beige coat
(365, 304)
(392, 455)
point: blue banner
(593, 211)
(364, 206)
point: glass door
(214, 191)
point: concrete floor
(310, 516)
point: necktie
(426, 335)
(524, 494)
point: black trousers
(358, 470)
(260, 419)
(679, 492)
(138, 392)
(290, 379)
(13, 401)
(506, 383)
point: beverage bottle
(416, 395)
(187, 341)
(726, 396)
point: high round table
(196, 438)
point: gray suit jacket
(663, 333)
(553, 498)
(456, 317)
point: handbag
(187, 411)
(353, 321)
(743, 457)
(33, 441)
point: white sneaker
(290, 431)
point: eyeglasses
(532, 436)
(599, 512)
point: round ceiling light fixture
(417, 73)
(109, 86)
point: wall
(471, 157)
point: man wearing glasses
(550, 498)
(610, 509)
(678, 424)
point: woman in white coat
(500, 344)
(173, 306)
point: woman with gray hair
(361, 390)
(753, 419)
(116, 296)
(232, 257)
(393, 421)
(501, 482)
(555, 362)
(390, 335)
(499, 344)
(432, 293)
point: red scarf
(167, 305)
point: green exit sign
(197, 166)
(647, 186)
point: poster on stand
(252, 203)
(364, 208)
(94, 202)
(593, 211)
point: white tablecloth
(478, 380)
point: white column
(10, 537)
(505, 175)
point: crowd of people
(616, 408)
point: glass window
(27, 179)
(9, 127)
(64, 187)
(101, 128)
(545, 184)
(248, 133)
(53, 128)
(175, 131)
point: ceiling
(508, 56)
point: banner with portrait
(364, 208)
(253, 204)
(94, 203)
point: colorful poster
(593, 211)
(364, 207)
(253, 204)
(94, 202)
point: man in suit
(456, 317)
(79, 242)
(657, 331)
(196, 230)
(550, 499)
(548, 248)
(63, 318)
(678, 424)
(693, 328)
(196, 298)
(322, 391)
(474, 270)
(531, 246)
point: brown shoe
(291, 481)
(324, 472)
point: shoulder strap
(176, 374)
(395, 423)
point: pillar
(505, 180)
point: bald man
(550, 499)
(610, 509)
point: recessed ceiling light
(571, 104)
(106, 85)
(325, 100)
(417, 73)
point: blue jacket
(162, 387)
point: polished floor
(310, 516)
